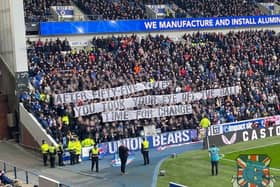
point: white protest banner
(74, 97)
(151, 100)
(125, 115)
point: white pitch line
(276, 169)
(253, 147)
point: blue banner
(134, 144)
(236, 126)
(130, 26)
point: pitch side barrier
(134, 144)
(231, 133)
(155, 25)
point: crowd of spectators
(112, 10)
(199, 61)
(219, 8)
(126, 9)
(39, 10)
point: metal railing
(14, 172)
(25, 176)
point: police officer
(60, 154)
(215, 157)
(45, 150)
(78, 150)
(95, 152)
(52, 152)
(145, 151)
(71, 149)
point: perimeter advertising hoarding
(242, 125)
(134, 144)
(152, 25)
(241, 136)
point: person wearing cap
(214, 153)
(95, 152)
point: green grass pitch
(193, 168)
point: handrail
(26, 172)
(15, 170)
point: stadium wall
(32, 132)
(12, 35)
(13, 57)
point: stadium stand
(112, 10)
(197, 62)
(208, 8)
(125, 9)
(39, 10)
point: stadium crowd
(219, 8)
(199, 61)
(39, 10)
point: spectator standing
(45, 151)
(123, 154)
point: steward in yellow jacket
(78, 150)
(71, 149)
(45, 151)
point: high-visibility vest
(51, 149)
(59, 148)
(87, 142)
(95, 151)
(42, 97)
(78, 147)
(44, 148)
(205, 122)
(145, 145)
(65, 119)
(70, 146)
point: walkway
(80, 175)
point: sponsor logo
(216, 130)
(256, 134)
(227, 141)
(253, 170)
(242, 136)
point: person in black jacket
(123, 154)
